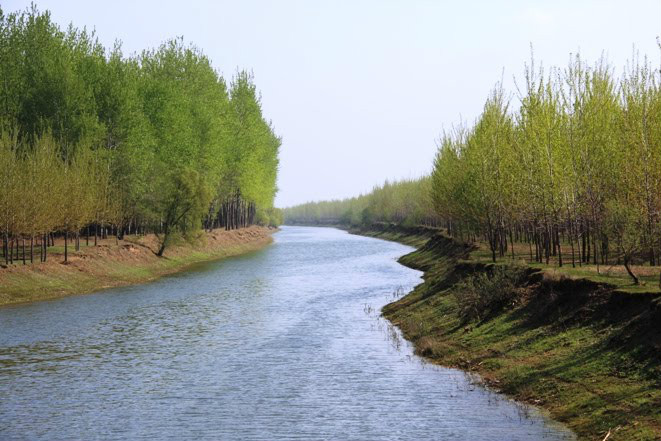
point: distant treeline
(93, 140)
(574, 171)
(406, 202)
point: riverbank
(588, 352)
(118, 263)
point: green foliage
(557, 172)
(624, 223)
(404, 202)
(151, 143)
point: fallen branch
(608, 435)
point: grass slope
(586, 350)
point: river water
(284, 343)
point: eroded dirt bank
(117, 263)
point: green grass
(648, 283)
(413, 236)
(571, 372)
(610, 273)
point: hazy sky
(360, 90)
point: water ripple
(286, 343)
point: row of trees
(575, 171)
(154, 142)
(406, 202)
(572, 173)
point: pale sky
(361, 90)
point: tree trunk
(628, 268)
(512, 242)
(595, 249)
(587, 246)
(557, 239)
(161, 249)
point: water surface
(284, 343)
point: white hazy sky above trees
(361, 90)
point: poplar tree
(92, 140)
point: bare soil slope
(118, 262)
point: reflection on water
(285, 343)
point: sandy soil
(117, 263)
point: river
(283, 343)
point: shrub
(488, 292)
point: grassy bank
(117, 263)
(412, 236)
(586, 350)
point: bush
(488, 292)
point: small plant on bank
(486, 293)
